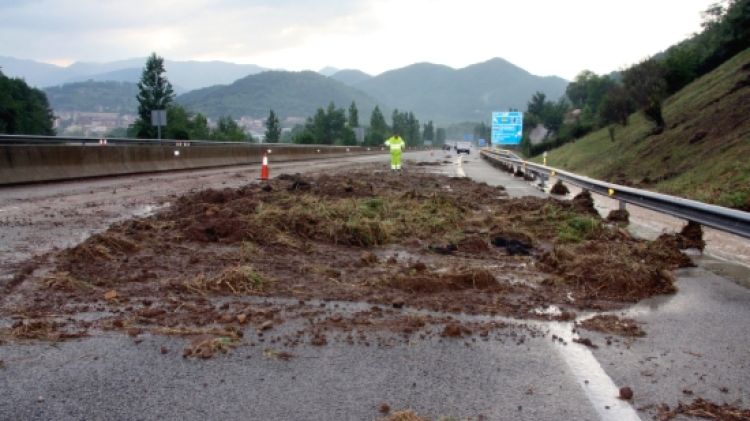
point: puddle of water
(550, 310)
(148, 210)
(736, 272)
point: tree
(23, 110)
(405, 124)
(154, 93)
(227, 130)
(327, 127)
(200, 130)
(428, 134)
(378, 130)
(553, 114)
(536, 105)
(273, 128)
(440, 136)
(482, 131)
(353, 120)
(645, 83)
(577, 91)
(616, 107)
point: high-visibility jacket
(395, 143)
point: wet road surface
(697, 340)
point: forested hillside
(23, 109)
(702, 153)
(113, 97)
(297, 94)
(450, 95)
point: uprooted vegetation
(417, 240)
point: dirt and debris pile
(559, 188)
(423, 240)
(704, 409)
(607, 323)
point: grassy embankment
(703, 154)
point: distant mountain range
(297, 94)
(184, 75)
(350, 77)
(433, 92)
(470, 93)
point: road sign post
(158, 119)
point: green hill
(449, 95)
(91, 96)
(703, 154)
(297, 94)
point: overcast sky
(545, 37)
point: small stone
(626, 393)
(40, 399)
(164, 350)
(242, 318)
(384, 408)
(266, 325)
(398, 303)
(110, 295)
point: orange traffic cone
(264, 168)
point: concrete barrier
(34, 163)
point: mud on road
(265, 254)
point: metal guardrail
(724, 219)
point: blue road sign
(507, 128)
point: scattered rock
(384, 408)
(451, 330)
(619, 215)
(110, 295)
(585, 341)
(559, 188)
(626, 393)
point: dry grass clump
(207, 346)
(44, 330)
(63, 280)
(608, 270)
(407, 415)
(702, 408)
(238, 280)
(103, 246)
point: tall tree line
(23, 109)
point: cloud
(105, 30)
(543, 36)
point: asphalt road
(697, 340)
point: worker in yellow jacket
(396, 144)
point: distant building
(89, 124)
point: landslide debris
(703, 409)
(219, 259)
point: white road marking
(459, 167)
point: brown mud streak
(421, 240)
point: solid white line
(459, 167)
